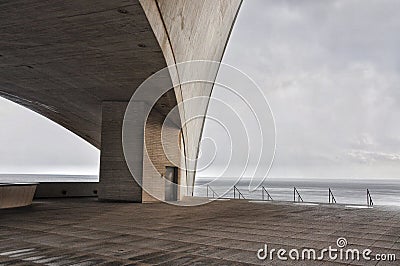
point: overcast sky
(330, 71)
(33, 144)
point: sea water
(346, 191)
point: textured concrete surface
(87, 232)
(16, 195)
(66, 189)
(67, 60)
(149, 162)
(116, 182)
(192, 30)
(161, 149)
(62, 59)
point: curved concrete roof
(63, 59)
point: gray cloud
(371, 156)
(330, 70)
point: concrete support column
(116, 182)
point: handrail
(299, 198)
(296, 195)
(213, 192)
(369, 199)
(331, 197)
(239, 193)
(265, 191)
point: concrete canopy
(63, 59)
(67, 59)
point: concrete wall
(66, 189)
(147, 164)
(155, 158)
(116, 182)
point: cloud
(371, 156)
(330, 70)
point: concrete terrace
(86, 232)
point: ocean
(15, 178)
(345, 191)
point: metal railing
(264, 191)
(331, 197)
(235, 189)
(369, 199)
(296, 193)
(213, 192)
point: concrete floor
(87, 232)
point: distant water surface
(347, 191)
(15, 178)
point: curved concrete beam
(191, 30)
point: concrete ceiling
(63, 58)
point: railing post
(264, 191)
(213, 192)
(331, 196)
(298, 195)
(236, 190)
(294, 194)
(369, 198)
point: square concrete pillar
(116, 181)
